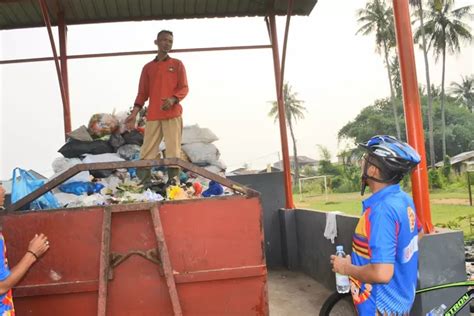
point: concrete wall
(314, 249)
(270, 185)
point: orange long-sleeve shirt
(161, 80)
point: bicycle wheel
(338, 305)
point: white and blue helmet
(397, 156)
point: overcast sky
(335, 72)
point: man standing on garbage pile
(163, 81)
(9, 278)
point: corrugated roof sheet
(27, 13)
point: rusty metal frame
(271, 24)
(165, 260)
(129, 164)
(117, 259)
(134, 53)
(64, 98)
(104, 265)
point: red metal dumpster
(190, 257)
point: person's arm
(37, 247)
(382, 242)
(142, 96)
(370, 273)
(182, 88)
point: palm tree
(419, 5)
(377, 17)
(445, 30)
(294, 110)
(464, 91)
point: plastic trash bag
(133, 137)
(80, 133)
(80, 188)
(23, 183)
(195, 134)
(129, 152)
(116, 140)
(75, 148)
(108, 157)
(214, 189)
(102, 124)
(61, 164)
(202, 153)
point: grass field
(446, 207)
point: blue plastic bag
(23, 183)
(80, 188)
(214, 189)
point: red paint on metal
(67, 119)
(165, 260)
(412, 107)
(104, 263)
(214, 247)
(281, 114)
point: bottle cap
(339, 248)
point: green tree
(294, 111)
(418, 4)
(464, 92)
(374, 120)
(377, 18)
(445, 30)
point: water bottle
(342, 281)
(438, 311)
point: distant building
(302, 161)
(461, 162)
(241, 171)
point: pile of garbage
(106, 139)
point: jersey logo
(410, 250)
(411, 218)
(171, 69)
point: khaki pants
(170, 131)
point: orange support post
(281, 115)
(412, 107)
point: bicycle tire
(330, 302)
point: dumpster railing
(59, 179)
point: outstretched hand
(39, 245)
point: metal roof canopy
(16, 14)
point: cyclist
(383, 265)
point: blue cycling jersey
(387, 232)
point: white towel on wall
(330, 232)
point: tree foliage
(376, 119)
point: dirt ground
(451, 201)
(294, 293)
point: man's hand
(341, 265)
(39, 245)
(131, 120)
(168, 103)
